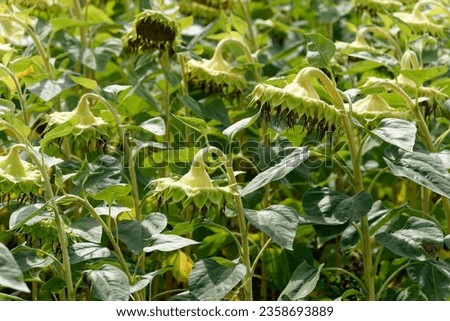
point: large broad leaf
(57, 132)
(279, 222)
(88, 228)
(154, 125)
(239, 125)
(167, 243)
(25, 215)
(327, 207)
(113, 192)
(48, 89)
(195, 123)
(80, 252)
(422, 75)
(28, 259)
(425, 169)
(398, 132)
(96, 58)
(62, 23)
(354, 207)
(136, 235)
(302, 283)
(108, 283)
(319, 204)
(433, 279)
(278, 171)
(320, 50)
(10, 272)
(419, 239)
(103, 172)
(112, 211)
(385, 60)
(211, 281)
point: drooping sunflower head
(78, 127)
(18, 178)
(153, 30)
(195, 190)
(421, 23)
(373, 108)
(374, 6)
(296, 101)
(216, 74)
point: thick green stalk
(62, 236)
(423, 129)
(49, 195)
(78, 14)
(105, 228)
(248, 19)
(22, 100)
(248, 288)
(127, 151)
(164, 61)
(357, 174)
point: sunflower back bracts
(153, 30)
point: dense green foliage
(224, 150)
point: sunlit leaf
(279, 222)
(108, 283)
(398, 132)
(419, 239)
(80, 252)
(320, 50)
(48, 89)
(10, 273)
(302, 283)
(114, 192)
(232, 130)
(211, 281)
(167, 243)
(423, 168)
(197, 124)
(278, 171)
(155, 126)
(422, 75)
(84, 82)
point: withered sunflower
(298, 100)
(153, 30)
(85, 128)
(18, 178)
(216, 74)
(195, 189)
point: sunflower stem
(245, 254)
(356, 167)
